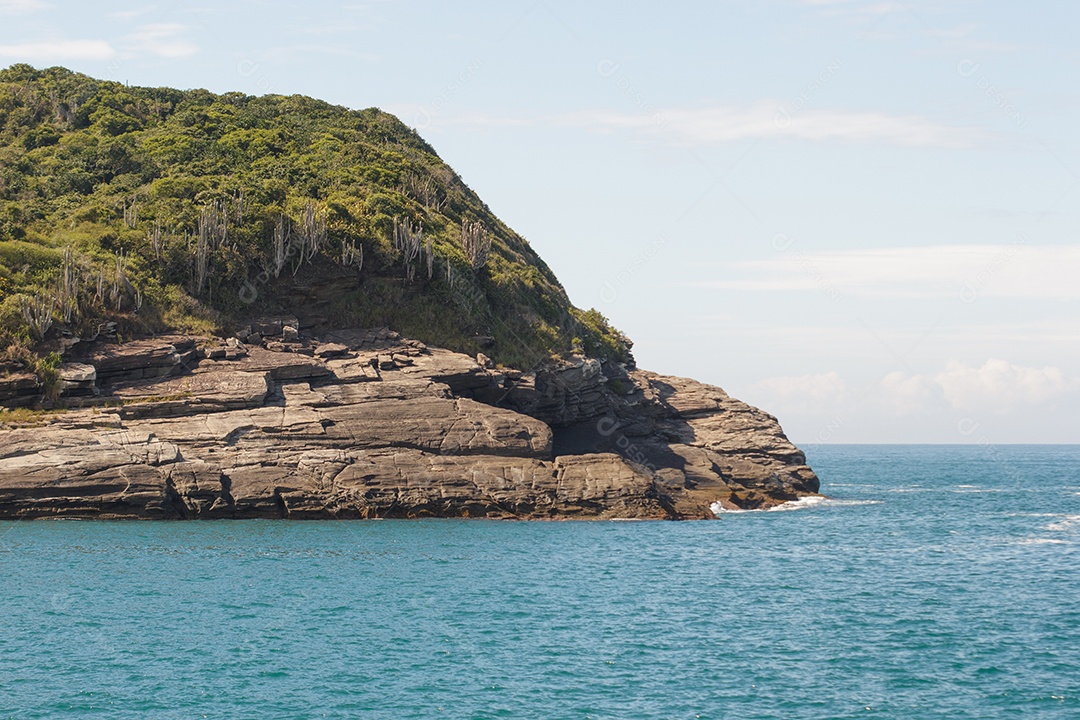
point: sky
(860, 216)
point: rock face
(368, 424)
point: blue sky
(861, 216)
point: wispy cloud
(49, 51)
(924, 16)
(965, 38)
(21, 7)
(961, 271)
(302, 50)
(164, 40)
(131, 14)
(854, 8)
(718, 124)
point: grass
(26, 417)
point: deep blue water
(941, 582)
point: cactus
(38, 313)
(282, 239)
(407, 240)
(156, 238)
(352, 254)
(131, 213)
(67, 287)
(476, 242)
(312, 230)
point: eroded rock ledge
(365, 423)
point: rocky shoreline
(365, 423)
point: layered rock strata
(367, 424)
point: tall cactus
(407, 240)
(476, 242)
(312, 230)
(38, 313)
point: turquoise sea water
(941, 582)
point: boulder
(77, 379)
(331, 350)
(142, 359)
(19, 389)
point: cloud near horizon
(997, 387)
(959, 271)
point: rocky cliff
(366, 423)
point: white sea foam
(1068, 523)
(1042, 541)
(800, 504)
(808, 501)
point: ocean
(938, 581)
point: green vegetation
(24, 417)
(164, 209)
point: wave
(1031, 515)
(801, 504)
(1069, 522)
(1042, 541)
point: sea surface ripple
(938, 581)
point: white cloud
(923, 16)
(964, 37)
(718, 124)
(1029, 404)
(999, 386)
(965, 272)
(854, 8)
(134, 13)
(21, 7)
(908, 394)
(49, 51)
(163, 40)
(799, 393)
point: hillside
(180, 210)
(234, 306)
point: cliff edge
(366, 423)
